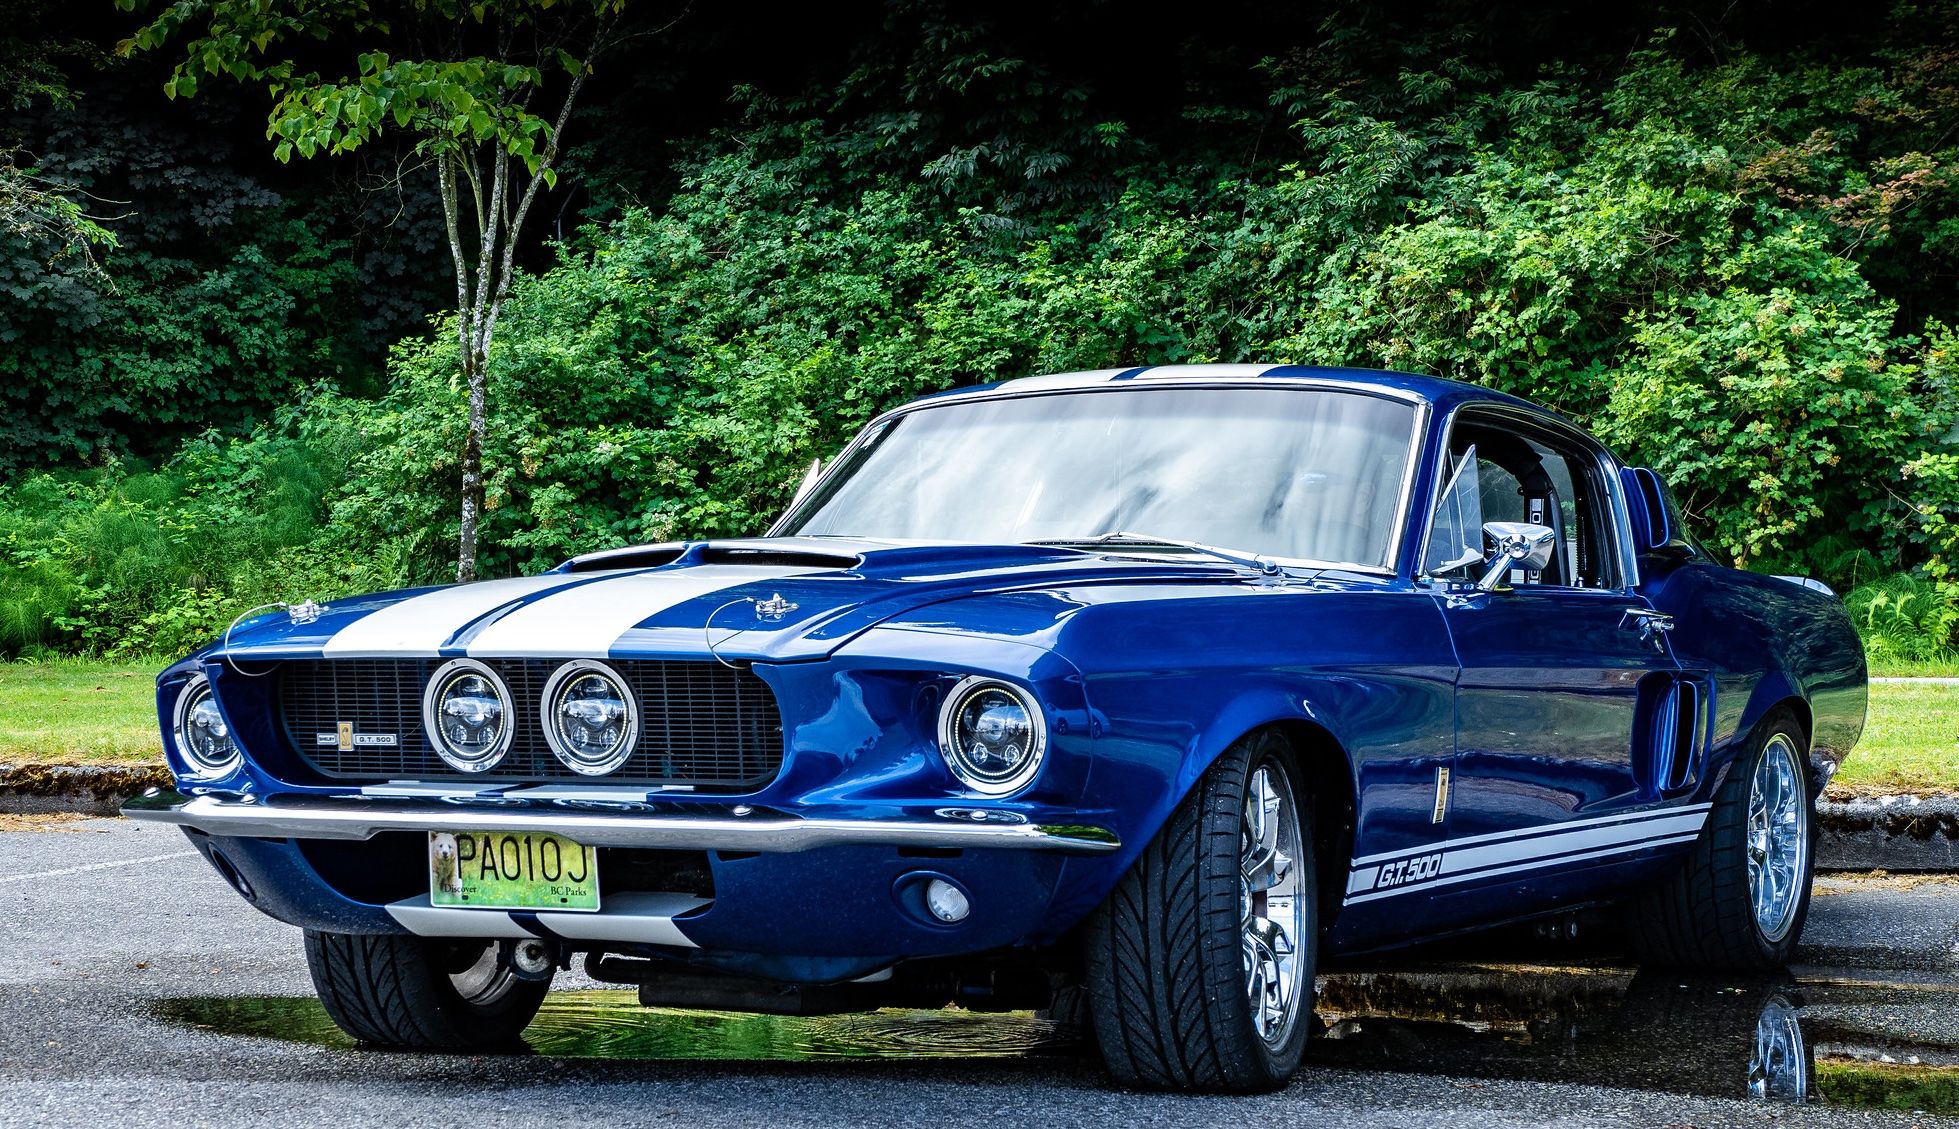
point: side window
(1499, 472)
(1455, 537)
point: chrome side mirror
(810, 476)
(1519, 544)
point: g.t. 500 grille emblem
(346, 740)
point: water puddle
(1840, 1042)
(1780, 1039)
(612, 1024)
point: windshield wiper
(1264, 564)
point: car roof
(1438, 391)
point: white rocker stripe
(624, 918)
(584, 622)
(1621, 849)
(418, 626)
(1545, 845)
(1543, 829)
(1458, 859)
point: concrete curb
(1899, 833)
(33, 789)
(1889, 833)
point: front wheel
(1740, 898)
(417, 993)
(1201, 962)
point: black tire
(415, 993)
(1165, 954)
(1702, 916)
(1069, 1006)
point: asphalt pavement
(135, 988)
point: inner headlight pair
(992, 735)
(590, 718)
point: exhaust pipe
(532, 958)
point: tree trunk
(476, 376)
(479, 300)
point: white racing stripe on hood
(418, 626)
(584, 622)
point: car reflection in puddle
(1843, 1042)
(611, 1024)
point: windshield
(1298, 474)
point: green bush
(1661, 258)
(1719, 265)
(1905, 620)
(128, 559)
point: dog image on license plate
(512, 870)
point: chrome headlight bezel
(432, 703)
(199, 686)
(970, 776)
(563, 678)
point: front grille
(701, 723)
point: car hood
(768, 599)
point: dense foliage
(1735, 264)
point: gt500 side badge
(345, 739)
(1401, 872)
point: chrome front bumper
(362, 817)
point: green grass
(75, 711)
(80, 712)
(1910, 743)
(1946, 668)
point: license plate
(512, 870)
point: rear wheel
(1201, 962)
(419, 993)
(1741, 897)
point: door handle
(1650, 623)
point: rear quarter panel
(1765, 641)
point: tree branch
(446, 177)
(507, 267)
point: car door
(1565, 678)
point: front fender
(1172, 677)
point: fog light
(947, 902)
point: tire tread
(387, 990)
(1164, 968)
(1701, 916)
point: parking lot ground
(135, 988)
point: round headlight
(992, 735)
(466, 710)
(590, 719)
(203, 739)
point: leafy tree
(222, 300)
(36, 210)
(465, 87)
(44, 213)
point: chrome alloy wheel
(1272, 905)
(1779, 1069)
(1778, 837)
(476, 971)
